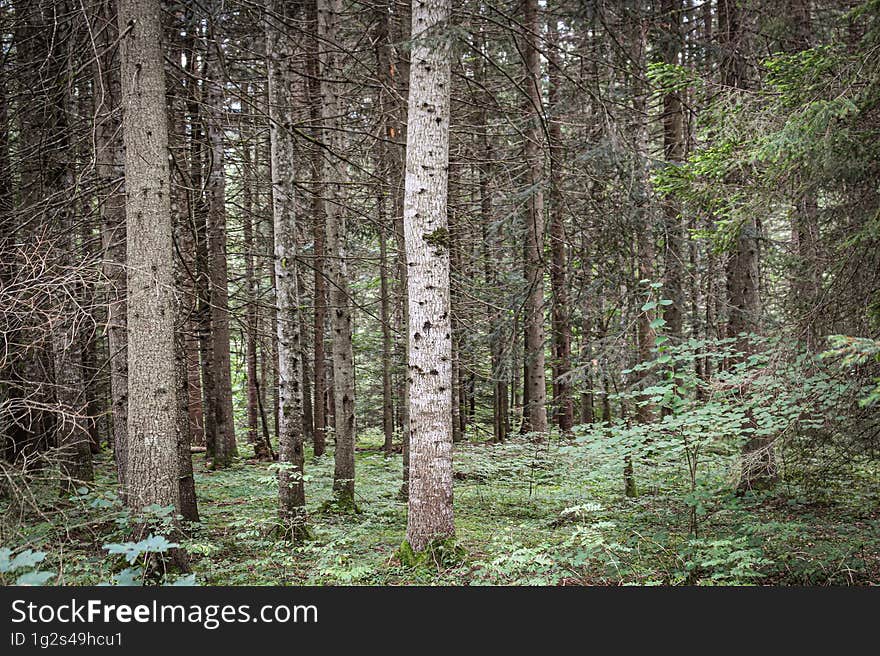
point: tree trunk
(74, 453)
(340, 310)
(261, 452)
(387, 394)
(281, 63)
(806, 285)
(224, 445)
(430, 514)
(110, 173)
(153, 468)
(534, 359)
(184, 301)
(385, 166)
(644, 210)
(400, 79)
(758, 467)
(673, 150)
(454, 304)
(562, 396)
(320, 283)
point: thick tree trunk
(153, 468)
(430, 515)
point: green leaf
(34, 578)
(130, 576)
(26, 559)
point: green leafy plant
(142, 551)
(22, 569)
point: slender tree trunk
(562, 395)
(806, 285)
(59, 171)
(758, 467)
(385, 167)
(281, 62)
(74, 452)
(454, 305)
(673, 149)
(534, 358)
(184, 299)
(8, 266)
(396, 134)
(109, 170)
(340, 301)
(320, 283)
(32, 428)
(224, 445)
(198, 218)
(387, 394)
(644, 211)
(251, 311)
(320, 320)
(492, 250)
(89, 339)
(430, 514)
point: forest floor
(550, 513)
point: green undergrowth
(547, 513)
(437, 554)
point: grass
(552, 513)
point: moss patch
(437, 553)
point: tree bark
(561, 321)
(340, 300)
(184, 300)
(110, 173)
(251, 310)
(319, 370)
(153, 468)
(645, 334)
(534, 358)
(385, 166)
(673, 150)
(224, 445)
(758, 466)
(430, 514)
(281, 61)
